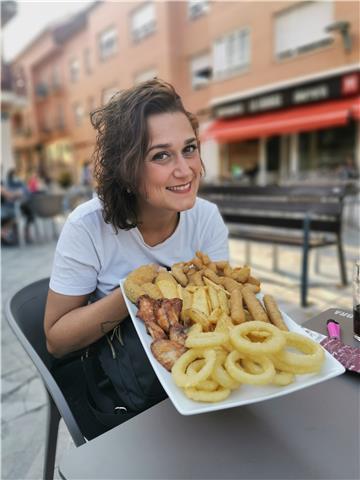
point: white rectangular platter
(246, 394)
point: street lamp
(343, 27)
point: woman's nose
(182, 167)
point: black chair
(45, 207)
(25, 313)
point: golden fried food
(241, 275)
(152, 290)
(253, 305)
(212, 276)
(178, 271)
(274, 312)
(272, 344)
(236, 307)
(230, 284)
(167, 352)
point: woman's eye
(190, 148)
(161, 156)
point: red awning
(299, 119)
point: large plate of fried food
(215, 340)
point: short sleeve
(76, 263)
(215, 235)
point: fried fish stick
(254, 306)
(241, 274)
(274, 312)
(236, 307)
(212, 276)
(230, 284)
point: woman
(148, 169)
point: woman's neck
(155, 229)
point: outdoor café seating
(46, 207)
(25, 315)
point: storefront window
(334, 145)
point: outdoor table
(312, 433)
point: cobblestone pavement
(23, 396)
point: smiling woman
(147, 168)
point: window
(107, 93)
(291, 35)
(74, 70)
(196, 8)
(55, 78)
(231, 53)
(108, 43)
(200, 70)
(78, 113)
(146, 75)
(87, 61)
(143, 22)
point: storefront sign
(311, 92)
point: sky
(31, 19)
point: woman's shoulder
(86, 211)
(202, 206)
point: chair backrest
(25, 314)
(47, 205)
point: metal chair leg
(247, 253)
(305, 261)
(275, 258)
(317, 261)
(341, 261)
(53, 420)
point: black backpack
(120, 379)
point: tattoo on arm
(107, 326)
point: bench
(299, 216)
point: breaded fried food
(132, 290)
(236, 307)
(178, 271)
(134, 282)
(152, 290)
(274, 312)
(167, 352)
(241, 274)
(254, 306)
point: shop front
(289, 134)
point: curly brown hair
(121, 145)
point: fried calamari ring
(206, 339)
(220, 375)
(205, 396)
(179, 370)
(282, 379)
(208, 385)
(309, 361)
(271, 344)
(234, 368)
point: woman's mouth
(184, 188)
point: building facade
(275, 84)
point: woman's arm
(71, 323)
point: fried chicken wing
(146, 307)
(167, 352)
(177, 333)
(172, 308)
(161, 317)
(155, 331)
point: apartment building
(275, 84)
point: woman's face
(172, 166)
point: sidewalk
(23, 396)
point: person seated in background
(348, 170)
(8, 215)
(15, 184)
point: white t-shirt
(91, 258)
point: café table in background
(309, 434)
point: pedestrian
(147, 170)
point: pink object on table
(333, 328)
